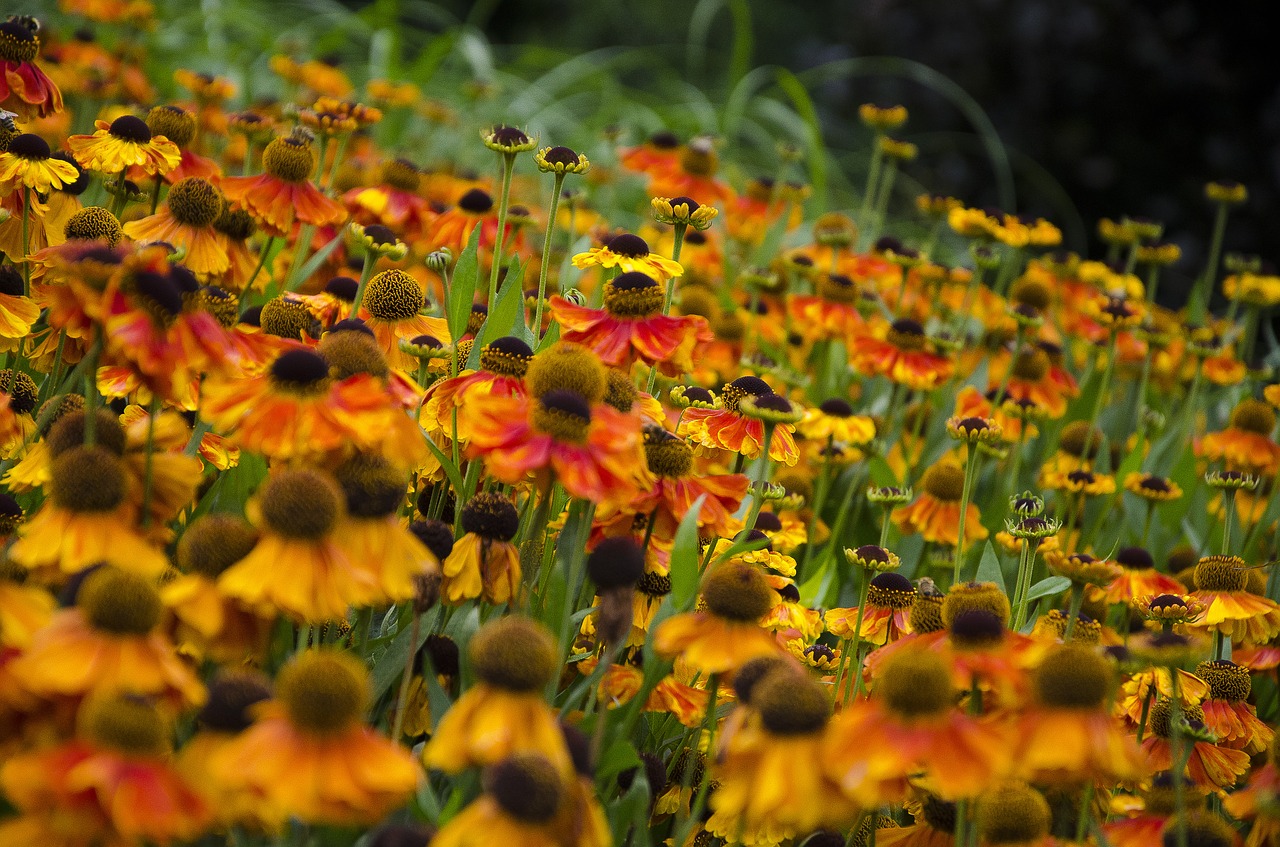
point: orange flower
(935, 514)
(124, 143)
(888, 614)
(1246, 444)
(390, 308)
(289, 757)
(908, 725)
(1221, 584)
(1233, 721)
(503, 363)
(24, 88)
(1209, 766)
(452, 229)
(112, 784)
(187, 222)
(1138, 579)
(283, 194)
(593, 451)
(670, 696)
(631, 328)
(483, 562)
(108, 643)
(830, 314)
(901, 357)
(727, 634)
(677, 488)
(728, 429)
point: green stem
(301, 246)
(1104, 387)
(676, 246)
(762, 476)
(1228, 512)
(970, 471)
(873, 180)
(370, 257)
(508, 166)
(262, 261)
(1020, 595)
(402, 697)
(1207, 278)
(1082, 820)
(1073, 614)
(1179, 764)
(857, 636)
(546, 261)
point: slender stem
(1105, 386)
(1228, 513)
(762, 476)
(1082, 820)
(301, 246)
(402, 697)
(676, 246)
(508, 165)
(262, 261)
(370, 257)
(1179, 765)
(970, 466)
(1210, 273)
(873, 180)
(1020, 594)
(1077, 600)
(155, 194)
(546, 261)
(148, 482)
(91, 397)
(857, 635)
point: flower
(24, 87)
(113, 782)
(769, 773)
(187, 222)
(503, 713)
(1152, 488)
(311, 730)
(935, 514)
(1069, 734)
(684, 211)
(561, 160)
(29, 162)
(677, 487)
(729, 429)
(1221, 584)
(887, 616)
(726, 634)
(593, 450)
(503, 363)
(1245, 445)
(628, 252)
(282, 193)
(1227, 715)
(631, 326)
(87, 519)
(124, 143)
(834, 419)
(110, 642)
(1139, 578)
(901, 357)
(483, 562)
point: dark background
(1123, 107)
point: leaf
(620, 756)
(989, 567)
(1047, 587)
(817, 158)
(507, 317)
(446, 463)
(390, 665)
(631, 813)
(684, 558)
(462, 286)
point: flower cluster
(351, 500)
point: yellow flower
(124, 143)
(628, 252)
(29, 162)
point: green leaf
(617, 758)
(989, 569)
(817, 158)
(684, 558)
(631, 814)
(507, 317)
(1047, 587)
(322, 255)
(446, 462)
(462, 286)
(390, 665)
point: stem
(1082, 821)
(147, 481)
(757, 493)
(546, 261)
(508, 165)
(301, 246)
(262, 261)
(857, 636)
(677, 244)
(403, 696)
(1175, 746)
(155, 194)
(970, 468)
(1228, 512)
(1077, 600)
(365, 273)
(1019, 598)
(1205, 284)
(873, 180)
(91, 392)
(1105, 385)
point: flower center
(393, 295)
(491, 516)
(1031, 365)
(906, 334)
(944, 482)
(742, 387)
(737, 591)
(926, 613)
(1081, 440)
(837, 288)
(1221, 573)
(507, 356)
(286, 318)
(628, 245)
(654, 584)
(514, 653)
(22, 390)
(836, 408)
(17, 42)
(476, 201)
(1135, 558)
(174, 123)
(1254, 416)
(666, 454)
(891, 591)
(300, 372)
(1227, 680)
(1013, 814)
(130, 128)
(289, 159)
(353, 352)
(1162, 713)
(126, 724)
(323, 691)
(790, 703)
(94, 223)
(31, 147)
(975, 629)
(526, 786)
(567, 367)
(87, 479)
(371, 486)
(119, 602)
(195, 202)
(401, 175)
(916, 684)
(563, 415)
(971, 596)
(302, 504)
(215, 542)
(1073, 677)
(633, 295)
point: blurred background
(1106, 107)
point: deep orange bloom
(631, 326)
(593, 451)
(24, 88)
(901, 357)
(283, 193)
